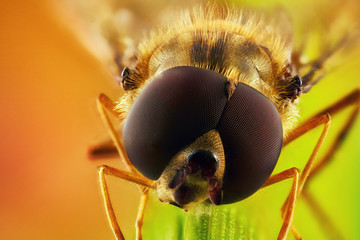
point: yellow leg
(107, 148)
(140, 216)
(289, 212)
(310, 169)
(326, 120)
(107, 103)
(106, 170)
(295, 232)
(104, 103)
(351, 99)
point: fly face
(186, 133)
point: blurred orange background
(48, 187)
(49, 83)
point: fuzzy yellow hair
(266, 46)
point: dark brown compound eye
(251, 131)
(183, 103)
(172, 111)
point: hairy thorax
(248, 51)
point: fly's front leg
(104, 103)
(107, 148)
(146, 183)
(141, 211)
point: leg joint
(139, 223)
(325, 118)
(294, 171)
(102, 169)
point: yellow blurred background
(49, 83)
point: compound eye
(251, 131)
(173, 110)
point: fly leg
(106, 148)
(351, 99)
(289, 211)
(104, 103)
(141, 211)
(289, 203)
(147, 183)
(311, 169)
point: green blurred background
(49, 188)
